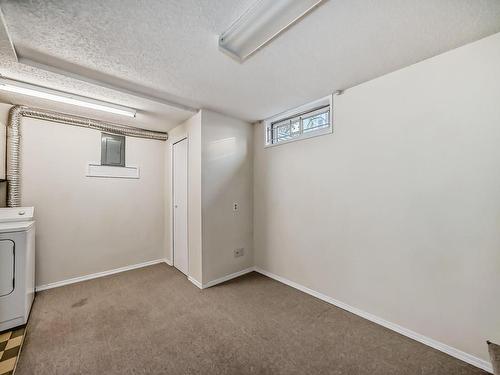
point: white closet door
(180, 198)
(6, 267)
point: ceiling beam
(102, 83)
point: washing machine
(17, 265)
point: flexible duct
(17, 112)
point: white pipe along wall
(87, 225)
(396, 213)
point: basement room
(237, 187)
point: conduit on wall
(17, 112)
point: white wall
(86, 224)
(226, 179)
(190, 129)
(398, 212)
(4, 112)
(220, 173)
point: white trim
(475, 361)
(228, 277)
(312, 134)
(96, 275)
(220, 279)
(108, 171)
(195, 282)
(327, 100)
(168, 261)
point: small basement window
(307, 121)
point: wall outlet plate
(236, 206)
(239, 252)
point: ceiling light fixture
(261, 23)
(23, 88)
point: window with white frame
(304, 122)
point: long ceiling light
(23, 88)
(262, 22)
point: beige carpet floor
(154, 321)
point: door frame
(171, 229)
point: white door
(180, 187)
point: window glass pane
(317, 121)
(282, 131)
(297, 126)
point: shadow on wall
(223, 148)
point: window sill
(302, 137)
(106, 171)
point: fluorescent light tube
(262, 22)
(62, 97)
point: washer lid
(12, 214)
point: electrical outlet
(236, 206)
(239, 252)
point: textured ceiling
(169, 49)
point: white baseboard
(168, 261)
(195, 282)
(228, 277)
(475, 361)
(73, 280)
